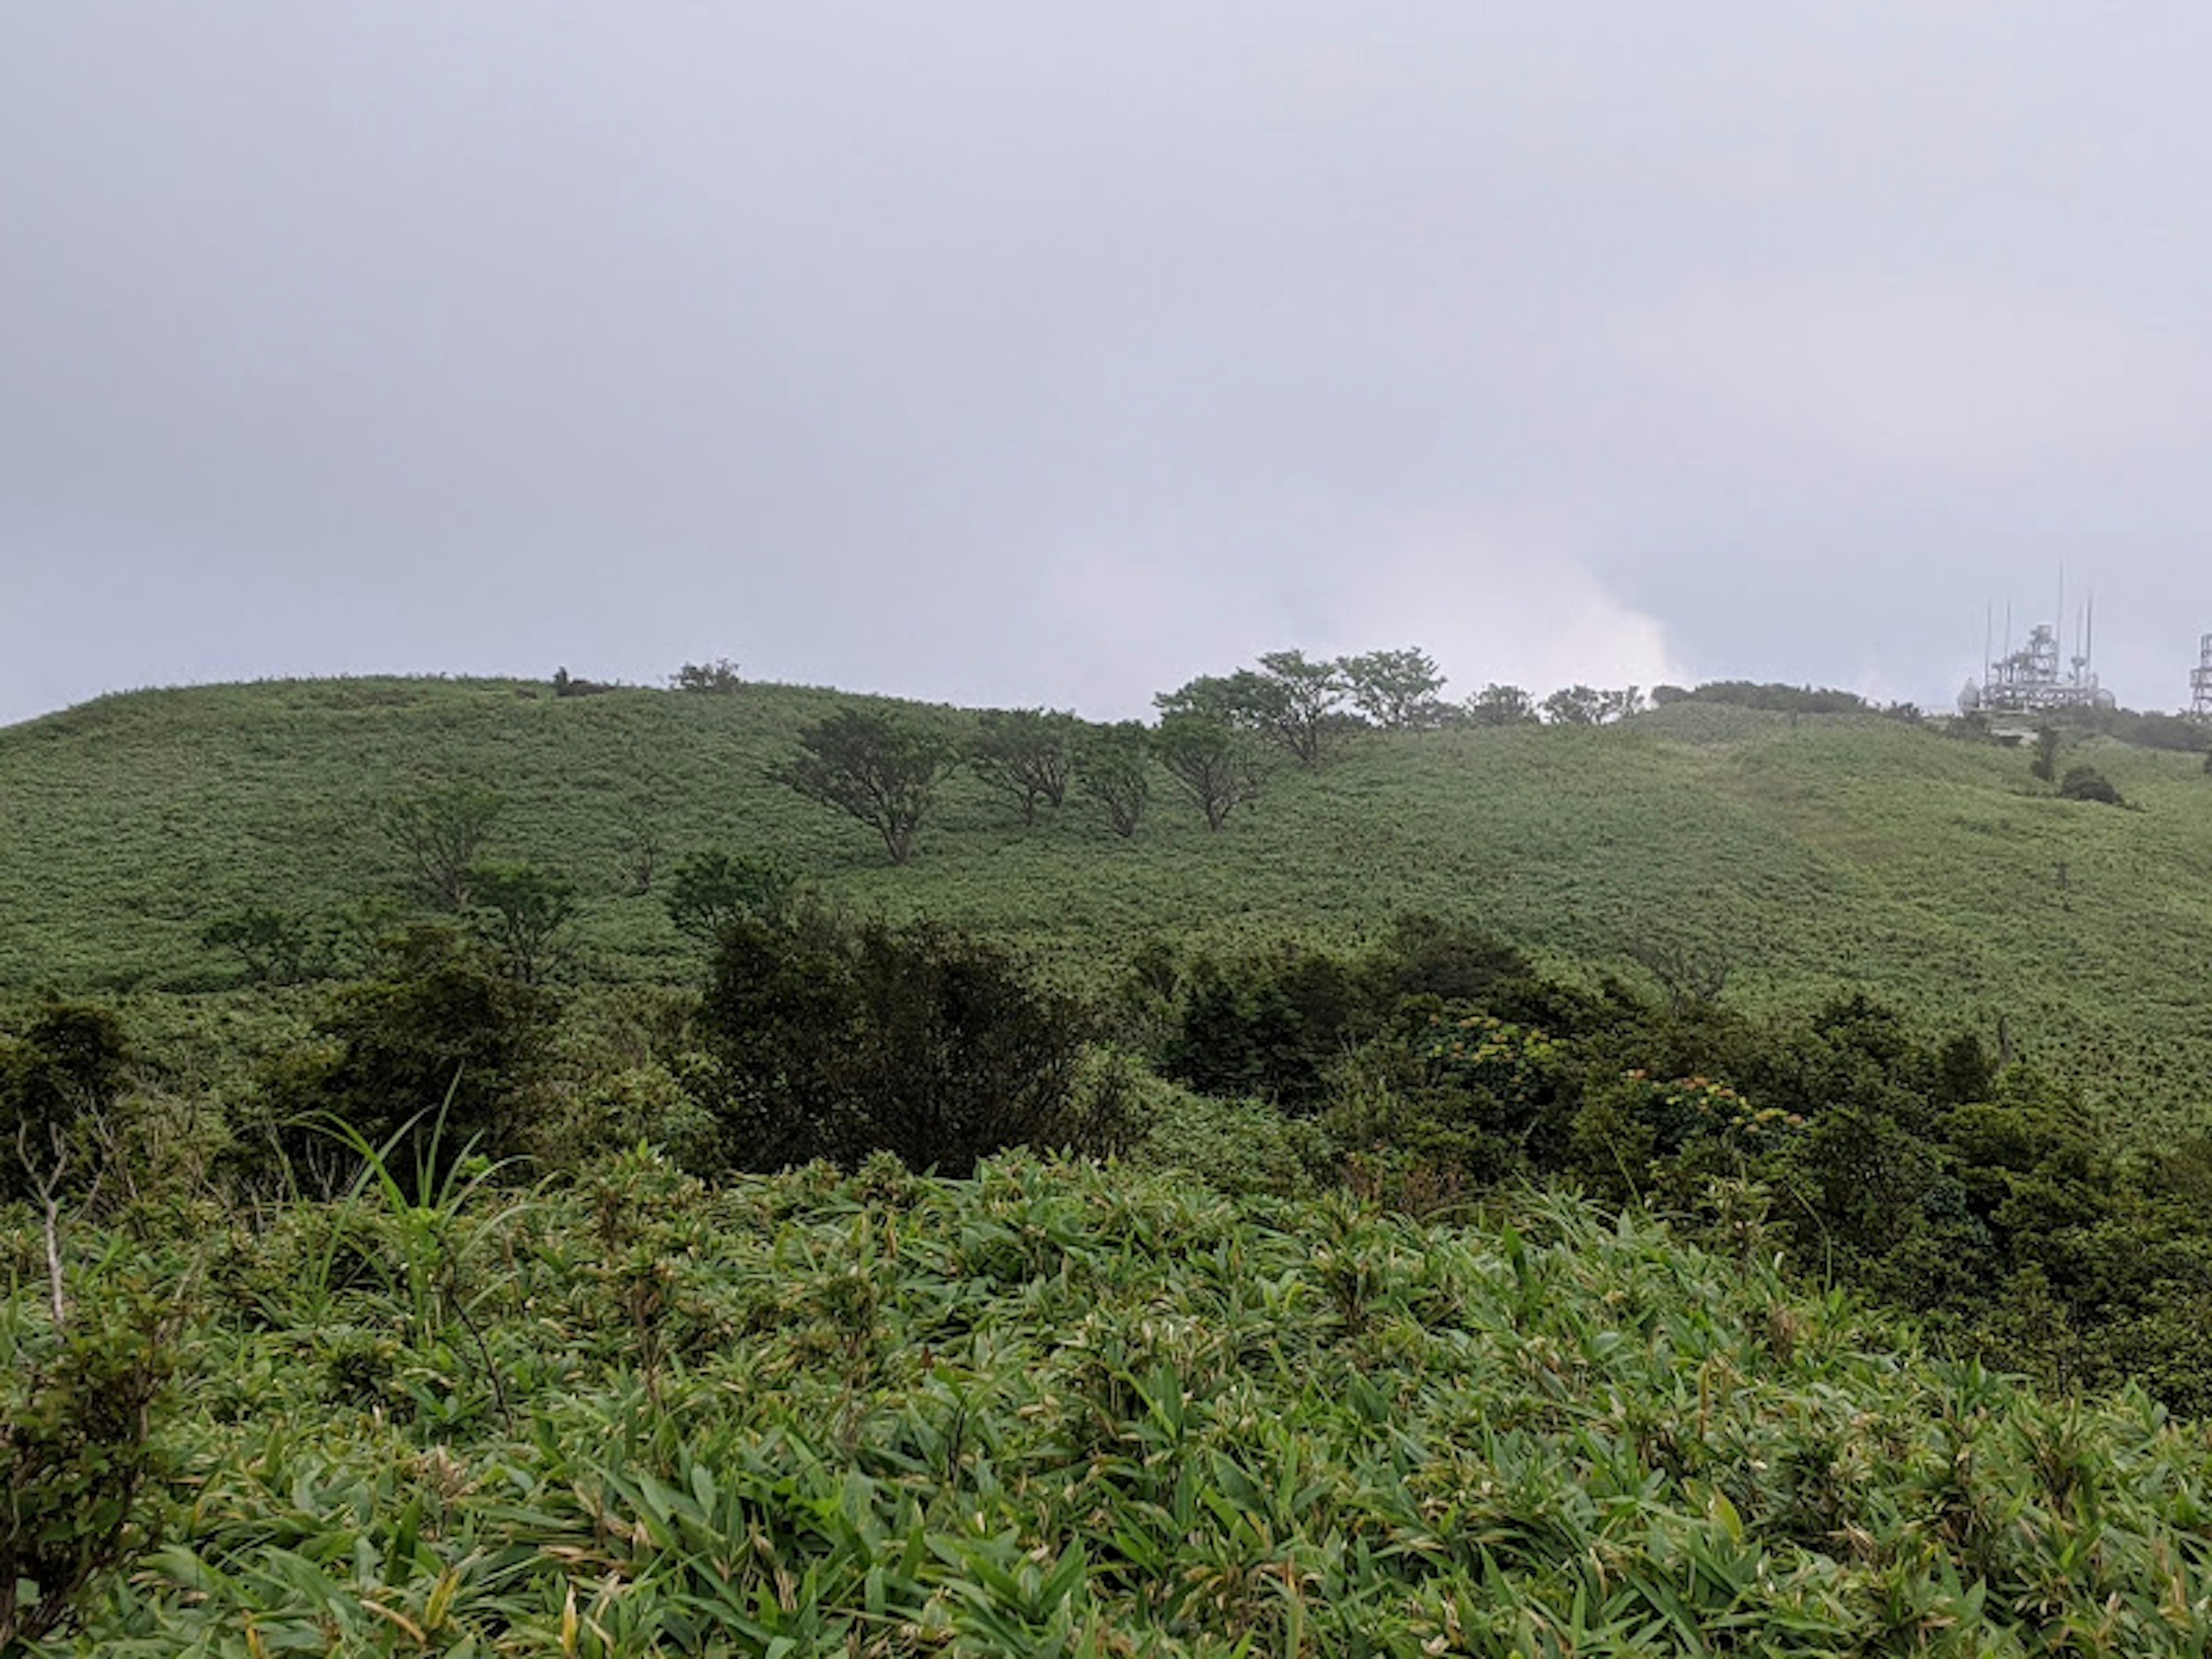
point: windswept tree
(1210, 761)
(1395, 690)
(1303, 700)
(1500, 705)
(1573, 705)
(524, 912)
(873, 766)
(1582, 705)
(273, 947)
(719, 676)
(439, 833)
(1025, 753)
(1618, 705)
(1114, 766)
(1229, 699)
(1290, 700)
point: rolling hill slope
(1812, 853)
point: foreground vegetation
(1060, 1410)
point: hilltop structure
(2200, 680)
(2033, 680)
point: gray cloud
(1012, 353)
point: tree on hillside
(1210, 761)
(875, 767)
(720, 675)
(1114, 766)
(711, 891)
(1300, 701)
(2045, 766)
(272, 946)
(1501, 705)
(1572, 705)
(1580, 705)
(439, 833)
(1229, 699)
(1290, 700)
(1024, 753)
(1395, 690)
(1618, 705)
(524, 912)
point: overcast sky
(1033, 352)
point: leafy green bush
(712, 888)
(2087, 783)
(68, 1064)
(79, 1465)
(441, 1035)
(837, 1040)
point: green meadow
(1809, 854)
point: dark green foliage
(713, 888)
(1269, 1025)
(1501, 705)
(718, 677)
(2146, 729)
(1295, 702)
(1780, 699)
(1210, 761)
(79, 1467)
(1424, 955)
(881, 769)
(1026, 754)
(272, 946)
(439, 833)
(1582, 705)
(1394, 689)
(2087, 783)
(442, 1033)
(1290, 700)
(1275, 1023)
(525, 913)
(566, 684)
(837, 1040)
(68, 1064)
(1113, 768)
(2045, 766)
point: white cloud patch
(1492, 601)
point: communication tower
(2200, 680)
(2037, 680)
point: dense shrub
(836, 1040)
(442, 1037)
(2087, 783)
(1780, 699)
(78, 1460)
(68, 1063)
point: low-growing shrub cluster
(1912, 1165)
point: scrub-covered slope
(1808, 853)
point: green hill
(1809, 852)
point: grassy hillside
(1086, 1411)
(1812, 853)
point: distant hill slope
(1814, 853)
